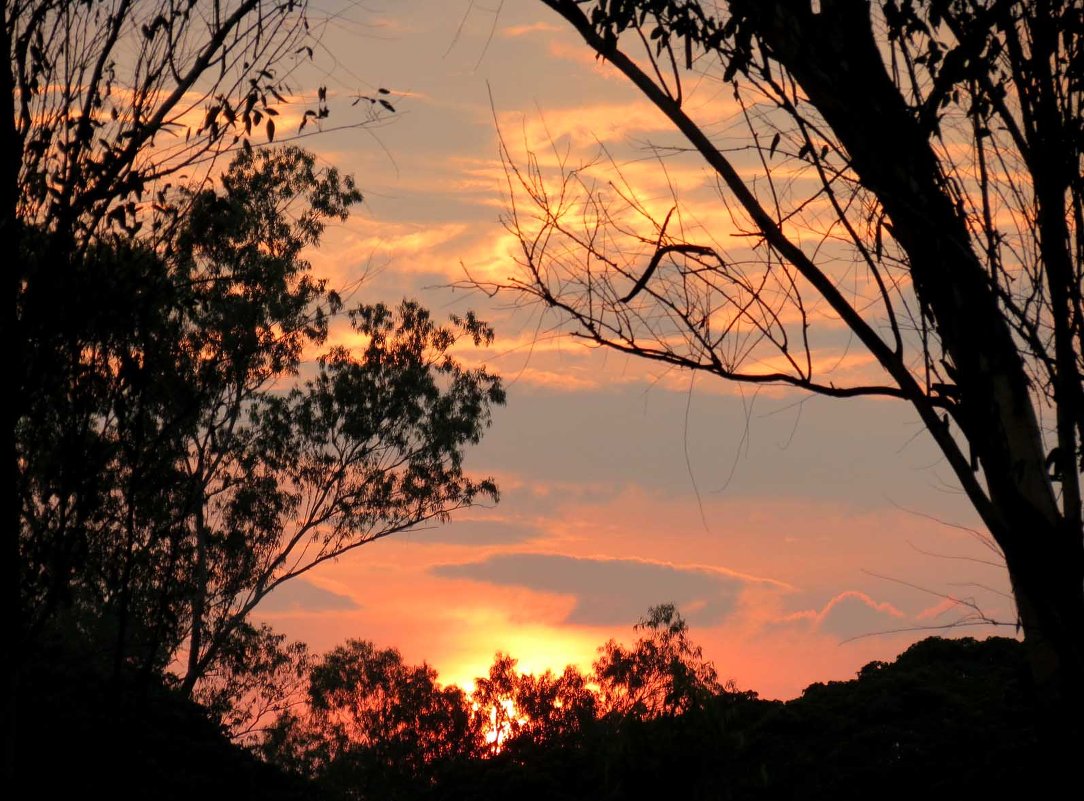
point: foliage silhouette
(663, 674)
(948, 717)
(517, 712)
(375, 727)
(82, 735)
(172, 479)
(259, 676)
(115, 106)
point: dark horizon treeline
(653, 720)
(948, 718)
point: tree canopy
(664, 673)
(372, 725)
(947, 718)
(171, 480)
(114, 110)
(183, 437)
(113, 99)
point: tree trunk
(199, 597)
(11, 614)
(834, 57)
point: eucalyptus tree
(182, 438)
(373, 726)
(906, 171)
(110, 106)
(663, 674)
(179, 469)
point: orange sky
(791, 532)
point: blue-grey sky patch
(865, 453)
(610, 591)
(299, 595)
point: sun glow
(503, 720)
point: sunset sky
(792, 532)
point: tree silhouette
(497, 719)
(663, 674)
(259, 677)
(555, 707)
(172, 479)
(375, 727)
(114, 106)
(911, 171)
(520, 711)
(110, 98)
(948, 716)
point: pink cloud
(515, 31)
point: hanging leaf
(270, 130)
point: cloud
(848, 615)
(514, 31)
(611, 591)
(571, 134)
(852, 614)
(299, 595)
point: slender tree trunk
(12, 633)
(199, 596)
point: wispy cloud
(848, 615)
(515, 31)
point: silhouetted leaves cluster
(177, 467)
(86, 734)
